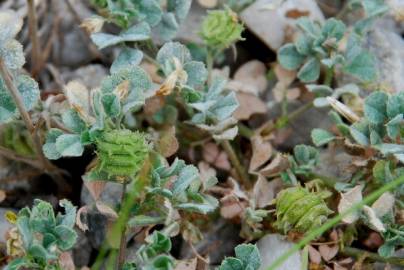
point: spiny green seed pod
(300, 210)
(221, 28)
(121, 153)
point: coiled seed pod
(300, 210)
(221, 28)
(121, 153)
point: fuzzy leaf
(127, 58)
(173, 49)
(231, 264)
(12, 54)
(29, 91)
(138, 32)
(362, 66)
(289, 57)
(49, 148)
(375, 107)
(197, 73)
(186, 176)
(321, 137)
(249, 255)
(72, 121)
(310, 71)
(69, 145)
(10, 24)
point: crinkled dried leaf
(106, 210)
(249, 105)
(328, 252)
(348, 199)
(261, 152)
(277, 165)
(82, 211)
(95, 188)
(263, 192)
(374, 222)
(384, 204)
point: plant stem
(209, 65)
(240, 170)
(15, 94)
(356, 253)
(12, 89)
(7, 153)
(122, 245)
(329, 75)
(33, 32)
(334, 221)
(245, 131)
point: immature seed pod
(300, 210)
(221, 28)
(121, 153)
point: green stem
(245, 131)
(357, 253)
(329, 75)
(334, 221)
(209, 65)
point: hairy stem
(15, 94)
(334, 221)
(356, 253)
(240, 169)
(33, 33)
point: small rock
(189, 29)
(270, 20)
(272, 246)
(81, 250)
(111, 195)
(335, 164)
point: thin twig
(9, 154)
(36, 57)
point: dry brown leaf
(232, 208)
(153, 105)
(93, 24)
(212, 154)
(314, 255)
(3, 195)
(248, 105)
(78, 97)
(95, 188)
(66, 261)
(250, 78)
(348, 199)
(167, 144)
(82, 226)
(152, 69)
(208, 3)
(328, 252)
(106, 210)
(190, 264)
(263, 192)
(206, 172)
(278, 164)
(261, 152)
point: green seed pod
(121, 153)
(221, 28)
(300, 210)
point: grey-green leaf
(321, 137)
(310, 71)
(375, 107)
(289, 57)
(69, 145)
